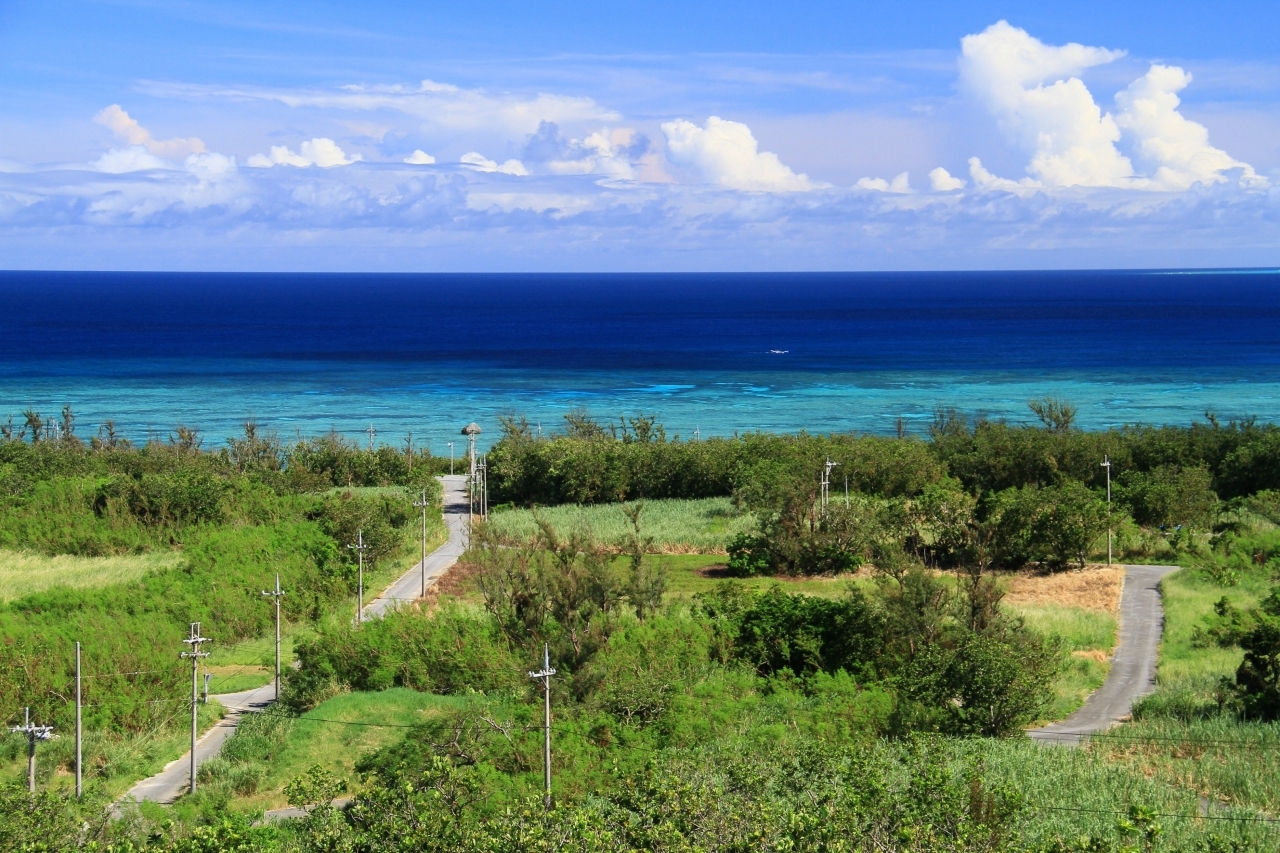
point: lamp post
(471, 430)
(451, 459)
(1106, 463)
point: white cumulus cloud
(135, 158)
(1175, 150)
(726, 153)
(420, 158)
(900, 184)
(984, 181)
(321, 152)
(481, 163)
(127, 129)
(1047, 111)
(942, 181)
(1043, 107)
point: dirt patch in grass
(1099, 655)
(1092, 588)
(457, 582)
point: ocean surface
(711, 354)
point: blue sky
(679, 136)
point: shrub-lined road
(172, 782)
(409, 587)
(1133, 668)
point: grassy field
(1070, 793)
(677, 526)
(22, 573)
(334, 735)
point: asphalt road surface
(1133, 668)
(409, 587)
(175, 779)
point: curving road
(1133, 667)
(172, 782)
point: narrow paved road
(1133, 667)
(173, 781)
(409, 586)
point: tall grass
(1233, 762)
(702, 526)
(1070, 793)
(23, 573)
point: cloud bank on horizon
(565, 181)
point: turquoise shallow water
(717, 354)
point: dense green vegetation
(881, 714)
(208, 529)
(973, 491)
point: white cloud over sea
(1117, 176)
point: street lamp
(451, 459)
(1106, 463)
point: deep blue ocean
(303, 354)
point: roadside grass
(251, 664)
(703, 526)
(1179, 733)
(23, 573)
(334, 735)
(113, 761)
(1189, 597)
(1087, 636)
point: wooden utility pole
(277, 595)
(79, 729)
(33, 733)
(545, 675)
(359, 547)
(423, 504)
(195, 654)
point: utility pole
(35, 733)
(545, 675)
(846, 491)
(372, 432)
(277, 595)
(697, 433)
(79, 729)
(1106, 463)
(195, 654)
(825, 482)
(451, 459)
(409, 448)
(359, 548)
(422, 504)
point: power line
(1177, 815)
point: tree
(1258, 677)
(1170, 495)
(1071, 519)
(1055, 413)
